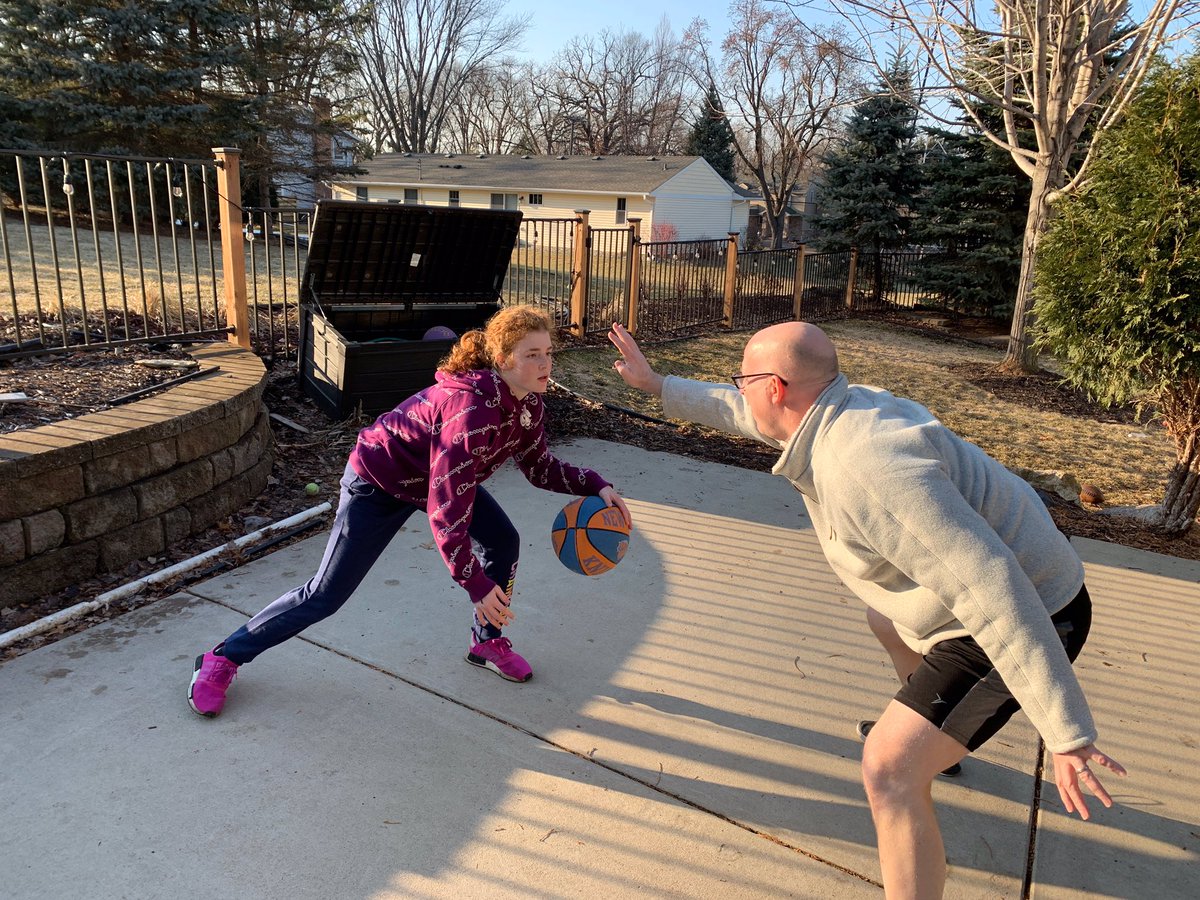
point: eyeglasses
(739, 380)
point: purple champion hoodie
(436, 447)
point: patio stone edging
(90, 495)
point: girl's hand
(612, 498)
(493, 609)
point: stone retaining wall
(89, 495)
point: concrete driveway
(689, 730)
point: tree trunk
(1182, 498)
(1180, 407)
(1022, 356)
(777, 228)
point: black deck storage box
(378, 277)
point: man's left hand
(1071, 771)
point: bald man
(975, 594)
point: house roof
(604, 174)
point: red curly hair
(482, 348)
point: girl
(432, 452)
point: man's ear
(776, 388)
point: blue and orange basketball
(589, 537)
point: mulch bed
(83, 381)
(1045, 391)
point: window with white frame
(454, 198)
(410, 196)
(360, 194)
(535, 199)
(620, 210)
(504, 201)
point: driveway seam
(1035, 808)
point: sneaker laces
(503, 645)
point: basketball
(589, 537)
(439, 333)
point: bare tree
(1063, 71)
(489, 117)
(783, 85)
(352, 95)
(546, 129)
(417, 56)
(621, 92)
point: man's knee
(889, 776)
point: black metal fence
(826, 276)
(682, 285)
(766, 287)
(276, 252)
(890, 280)
(100, 251)
(541, 268)
(611, 258)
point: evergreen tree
(1118, 273)
(112, 76)
(711, 135)
(870, 183)
(971, 212)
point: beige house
(676, 197)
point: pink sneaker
(497, 655)
(210, 681)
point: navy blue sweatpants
(367, 519)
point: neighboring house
(297, 154)
(680, 191)
(798, 217)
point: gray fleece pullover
(930, 531)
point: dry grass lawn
(1129, 463)
(101, 268)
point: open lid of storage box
(377, 253)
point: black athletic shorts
(958, 689)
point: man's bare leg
(903, 754)
(904, 658)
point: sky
(554, 22)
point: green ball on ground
(312, 488)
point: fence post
(634, 290)
(233, 254)
(580, 271)
(852, 279)
(798, 286)
(731, 254)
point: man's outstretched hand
(1072, 774)
(632, 366)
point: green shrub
(1118, 279)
